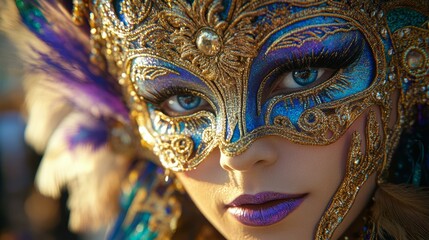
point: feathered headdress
(75, 113)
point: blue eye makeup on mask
(310, 68)
(169, 88)
(287, 80)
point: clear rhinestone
(406, 31)
(379, 96)
(357, 161)
(383, 32)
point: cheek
(205, 184)
(208, 172)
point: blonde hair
(401, 212)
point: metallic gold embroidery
(412, 49)
(415, 57)
(135, 11)
(313, 120)
(208, 135)
(358, 168)
(160, 202)
(143, 73)
(283, 122)
(174, 150)
(200, 34)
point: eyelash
(158, 97)
(326, 58)
(325, 90)
(318, 95)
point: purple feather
(67, 64)
(94, 136)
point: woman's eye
(303, 77)
(179, 105)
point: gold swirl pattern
(315, 32)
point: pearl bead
(415, 59)
(208, 41)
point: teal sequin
(31, 14)
(402, 17)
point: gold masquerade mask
(206, 74)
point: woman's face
(275, 189)
(280, 105)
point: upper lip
(262, 197)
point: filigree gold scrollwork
(325, 125)
(342, 115)
(214, 46)
(313, 120)
(373, 141)
(208, 135)
(174, 150)
(158, 199)
(284, 122)
(143, 73)
(135, 11)
(359, 167)
(316, 32)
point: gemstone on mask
(208, 41)
(415, 59)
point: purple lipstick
(265, 208)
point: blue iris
(188, 102)
(305, 77)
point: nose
(262, 152)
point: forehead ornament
(208, 41)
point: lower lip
(264, 214)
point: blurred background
(24, 213)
